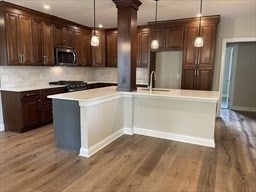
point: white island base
(180, 115)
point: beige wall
(232, 28)
(244, 89)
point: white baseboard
(128, 131)
(175, 137)
(1, 127)
(239, 108)
(87, 152)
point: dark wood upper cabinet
(111, 48)
(174, 37)
(43, 42)
(98, 52)
(169, 38)
(82, 47)
(19, 39)
(143, 54)
(63, 36)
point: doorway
(227, 79)
(244, 99)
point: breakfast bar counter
(94, 118)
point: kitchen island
(102, 115)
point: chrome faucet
(151, 80)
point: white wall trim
(239, 108)
(99, 100)
(175, 137)
(1, 127)
(87, 152)
(225, 41)
(128, 131)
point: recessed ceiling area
(81, 11)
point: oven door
(65, 56)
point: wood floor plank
(31, 161)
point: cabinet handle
(74, 59)
(195, 72)
(20, 58)
(198, 72)
(23, 58)
(30, 95)
(45, 61)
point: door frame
(225, 41)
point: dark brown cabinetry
(169, 38)
(98, 52)
(111, 48)
(43, 42)
(25, 110)
(143, 39)
(82, 47)
(63, 36)
(18, 39)
(198, 63)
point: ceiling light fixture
(47, 7)
(155, 43)
(199, 41)
(94, 39)
(100, 26)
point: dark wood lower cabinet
(26, 110)
(197, 79)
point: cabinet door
(31, 113)
(69, 37)
(12, 38)
(31, 106)
(206, 53)
(25, 39)
(48, 49)
(160, 35)
(174, 37)
(190, 52)
(58, 35)
(98, 52)
(143, 48)
(111, 50)
(188, 78)
(204, 79)
(82, 47)
(37, 26)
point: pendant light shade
(94, 39)
(155, 43)
(199, 41)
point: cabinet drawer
(28, 96)
(51, 91)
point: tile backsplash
(14, 76)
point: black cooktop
(71, 85)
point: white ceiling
(81, 11)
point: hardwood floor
(31, 162)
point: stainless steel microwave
(65, 56)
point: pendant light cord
(156, 18)
(94, 20)
(200, 18)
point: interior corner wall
(239, 27)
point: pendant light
(95, 39)
(199, 41)
(155, 43)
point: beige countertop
(178, 94)
(30, 87)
